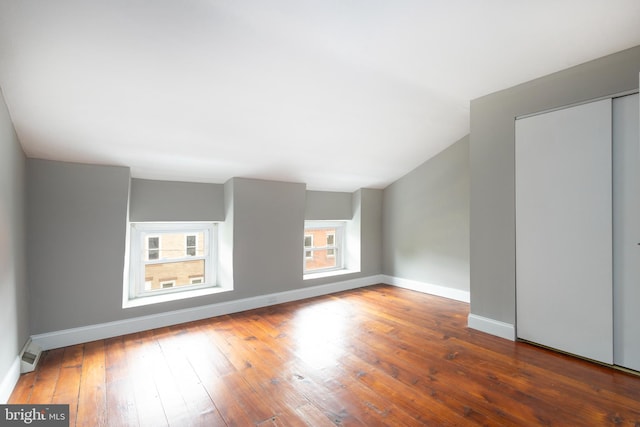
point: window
(308, 244)
(153, 247)
(191, 244)
(171, 257)
(167, 284)
(331, 239)
(323, 246)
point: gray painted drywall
(77, 232)
(175, 201)
(268, 229)
(492, 149)
(13, 282)
(371, 202)
(426, 221)
(76, 240)
(328, 205)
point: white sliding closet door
(564, 230)
(626, 231)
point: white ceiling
(339, 94)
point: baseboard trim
(63, 338)
(491, 326)
(9, 381)
(428, 288)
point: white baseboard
(89, 333)
(484, 324)
(493, 327)
(9, 381)
(428, 288)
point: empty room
(353, 213)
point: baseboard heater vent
(30, 356)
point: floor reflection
(321, 333)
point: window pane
(175, 245)
(320, 260)
(172, 246)
(171, 257)
(179, 272)
(154, 242)
(154, 254)
(324, 253)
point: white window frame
(338, 246)
(140, 231)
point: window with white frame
(171, 257)
(323, 246)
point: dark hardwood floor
(370, 357)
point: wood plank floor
(370, 357)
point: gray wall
(371, 226)
(328, 205)
(267, 242)
(175, 201)
(77, 229)
(76, 240)
(426, 221)
(492, 149)
(13, 283)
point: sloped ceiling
(337, 94)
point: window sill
(332, 273)
(157, 299)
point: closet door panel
(626, 231)
(564, 230)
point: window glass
(323, 246)
(153, 247)
(191, 245)
(171, 257)
(308, 243)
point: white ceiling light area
(337, 94)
